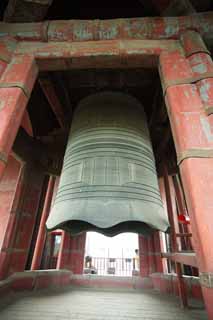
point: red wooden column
(77, 251)
(188, 94)
(19, 204)
(40, 242)
(158, 250)
(71, 255)
(16, 83)
(172, 214)
(163, 241)
(5, 58)
(144, 259)
(61, 252)
(151, 255)
(11, 187)
(64, 253)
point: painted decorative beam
(151, 28)
(101, 54)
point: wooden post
(16, 84)
(40, 242)
(188, 88)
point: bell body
(108, 182)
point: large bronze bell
(108, 182)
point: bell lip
(106, 231)
(58, 218)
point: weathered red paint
(7, 47)
(26, 31)
(202, 67)
(194, 144)
(20, 73)
(170, 208)
(87, 30)
(28, 204)
(77, 251)
(3, 65)
(101, 54)
(151, 255)
(186, 242)
(143, 253)
(59, 264)
(172, 219)
(192, 127)
(170, 71)
(193, 43)
(205, 88)
(10, 189)
(72, 253)
(40, 242)
(13, 103)
(185, 102)
(158, 250)
(16, 84)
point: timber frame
(174, 45)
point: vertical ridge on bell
(108, 181)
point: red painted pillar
(10, 189)
(60, 254)
(64, 259)
(163, 242)
(5, 58)
(144, 259)
(72, 253)
(158, 250)
(77, 251)
(151, 255)
(188, 92)
(16, 83)
(40, 242)
(19, 203)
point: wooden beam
(54, 102)
(187, 258)
(149, 28)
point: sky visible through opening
(120, 246)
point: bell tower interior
(106, 126)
